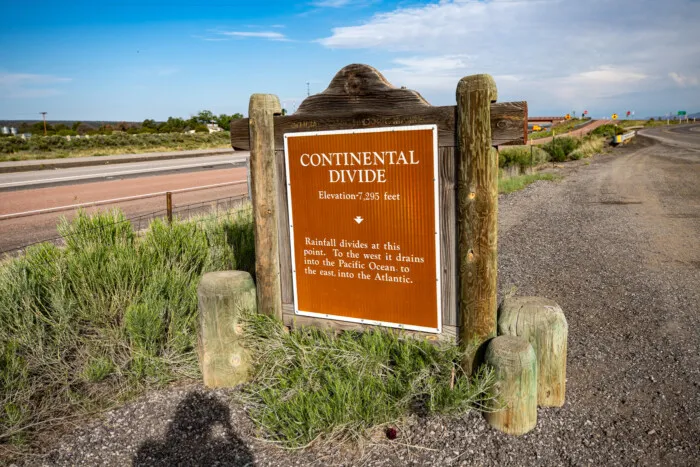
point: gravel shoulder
(616, 243)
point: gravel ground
(616, 243)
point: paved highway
(16, 231)
(69, 176)
(685, 136)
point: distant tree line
(197, 122)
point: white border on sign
(438, 269)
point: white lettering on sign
(362, 158)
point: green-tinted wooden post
(515, 366)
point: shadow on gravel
(200, 434)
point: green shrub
(109, 314)
(560, 148)
(240, 237)
(180, 243)
(556, 153)
(608, 129)
(310, 383)
(144, 326)
(523, 156)
(12, 144)
(103, 229)
(98, 369)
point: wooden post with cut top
(264, 190)
(477, 197)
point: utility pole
(44, 115)
(308, 89)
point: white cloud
(27, 85)
(435, 72)
(434, 64)
(609, 75)
(597, 84)
(271, 35)
(559, 52)
(684, 81)
(210, 39)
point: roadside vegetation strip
(90, 325)
(15, 148)
(509, 185)
(608, 130)
(522, 156)
(587, 148)
(558, 150)
(111, 314)
(310, 384)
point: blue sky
(135, 60)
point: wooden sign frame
(436, 227)
(360, 97)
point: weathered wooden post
(515, 364)
(477, 195)
(264, 182)
(223, 297)
(542, 323)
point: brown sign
(364, 225)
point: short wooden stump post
(223, 297)
(514, 362)
(542, 323)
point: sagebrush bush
(310, 383)
(523, 156)
(560, 148)
(607, 130)
(109, 313)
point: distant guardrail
(621, 139)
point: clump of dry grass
(589, 147)
(310, 384)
